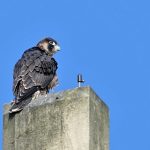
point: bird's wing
(34, 70)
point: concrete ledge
(70, 120)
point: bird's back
(34, 70)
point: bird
(34, 73)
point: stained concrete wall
(71, 120)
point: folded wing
(34, 71)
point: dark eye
(52, 43)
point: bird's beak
(57, 48)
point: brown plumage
(34, 73)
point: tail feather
(16, 107)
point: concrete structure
(71, 120)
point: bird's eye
(51, 42)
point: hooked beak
(57, 48)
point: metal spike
(80, 80)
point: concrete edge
(53, 97)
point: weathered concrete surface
(71, 120)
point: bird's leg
(53, 83)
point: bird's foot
(36, 95)
(39, 93)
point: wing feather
(34, 70)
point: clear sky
(107, 41)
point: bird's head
(49, 45)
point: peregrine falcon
(34, 74)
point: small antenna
(80, 80)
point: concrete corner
(70, 120)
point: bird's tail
(18, 106)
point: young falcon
(35, 73)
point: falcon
(34, 74)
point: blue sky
(107, 41)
